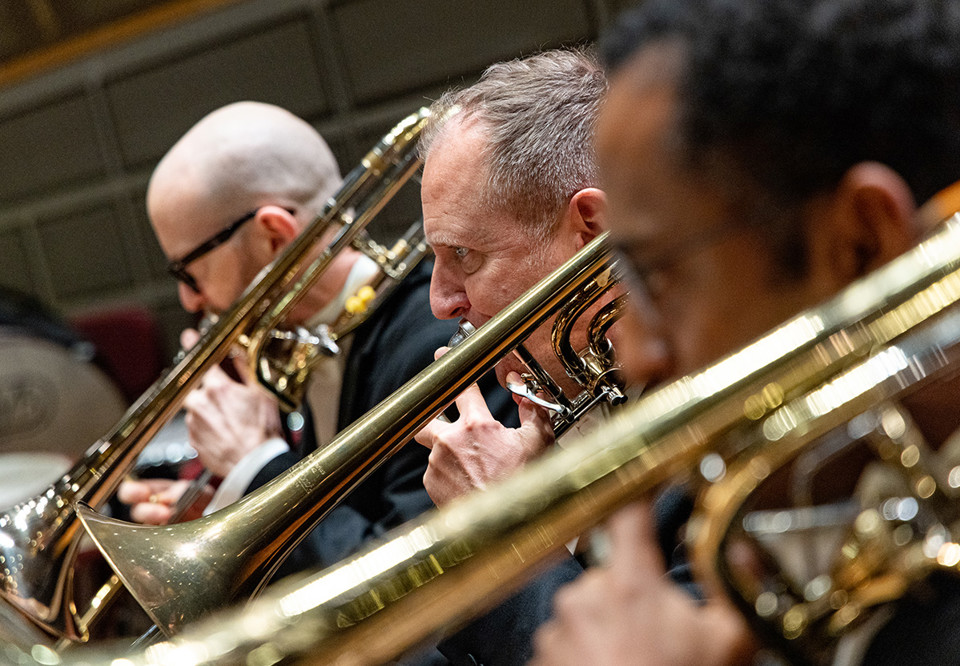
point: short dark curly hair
(790, 94)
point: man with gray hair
(227, 198)
(509, 194)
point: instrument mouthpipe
(886, 331)
(454, 563)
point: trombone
(38, 537)
(178, 573)
(892, 333)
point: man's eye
(469, 259)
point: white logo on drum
(26, 403)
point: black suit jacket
(387, 350)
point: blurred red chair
(129, 349)
(129, 346)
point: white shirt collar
(363, 269)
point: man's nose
(448, 299)
(189, 299)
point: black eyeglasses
(178, 268)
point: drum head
(53, 406)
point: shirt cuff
(242, 474)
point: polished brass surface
(17, 631)
(877, 338)
(285, 358)
(890, 333)
(38, 537)
(862, 551)
(178, 573)
(593, 369)
(382, 172)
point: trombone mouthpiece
(465, 330)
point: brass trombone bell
(892, 332)
(38, 537)
(179, 573)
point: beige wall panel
(151, 109)
(47, 148)
(14, 268)
(78, 144)
(144, 245)
(75, 14)
(617, 7)
(14, 38)
(393, 46)
(86, 252)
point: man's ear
(587, 214)
(867, 221)
(278, 226)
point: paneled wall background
(77, 144)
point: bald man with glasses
(178, 268)
(226, 199)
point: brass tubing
(562, 333)
(449, 566)
(179, 573)
(453, 563)
(38, 537)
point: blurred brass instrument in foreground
(38, 537)
(179, 573)
(884, 337)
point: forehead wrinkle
(453, 181)
(457, 234)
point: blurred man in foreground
(758, 157)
